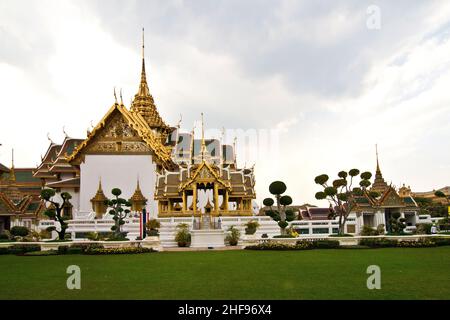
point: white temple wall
(117, 171)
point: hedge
(131, 250)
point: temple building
(157, 167)
(428, 194)
(20, 204)
(374, 211)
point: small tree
(56, 210)
(183, 236)
(119, 210)
(251, 226)
(341, 194)
(282, 215)
(233, 236)
(152, 227)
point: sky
(307, 87)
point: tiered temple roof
(19, 193)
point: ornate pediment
(391, 199)
(117, 136)
(123, 132)
(205, 173)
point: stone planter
(151, 242)
(47, 246)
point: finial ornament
(143, 43)
(48, 137)
(121, 99)
(179, 121)
(115, 96)
(376, 152)
(12, 172)
(64, 131)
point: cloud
(312, 68)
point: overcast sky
(310, 72)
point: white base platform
(207, 238)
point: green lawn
(315, 274)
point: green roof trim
(25, 176)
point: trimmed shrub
(18, 231)
(63, 249)
(423, 228)
(421, 243)
(381, 229)
(368, 231)
(4, 236)
(22, 248)
(4, 251)
(284, 236)
(441, 241)
(269, 245)
(83, 247)
(41, 253)
(251, 226)
(130, 250)
(378, 243)
(326, 244)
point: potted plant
(251, 226)
(233, 236)
(183, 236)
(152, 227)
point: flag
(144, 218)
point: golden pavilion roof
(137, 195)
(100, 195)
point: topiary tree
(55, 211)
(397, 223)
(342, 195)
(119, 210)
(282, 215)
(19, 231)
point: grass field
(316, 274)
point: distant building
(430, 195)
(20, 204)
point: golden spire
(12, 173)
(203, 150)
(143, 87)
(99, 196)
(143, 102)
(376, 152)
(115, 96)
(121, 99)
(379, 185)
